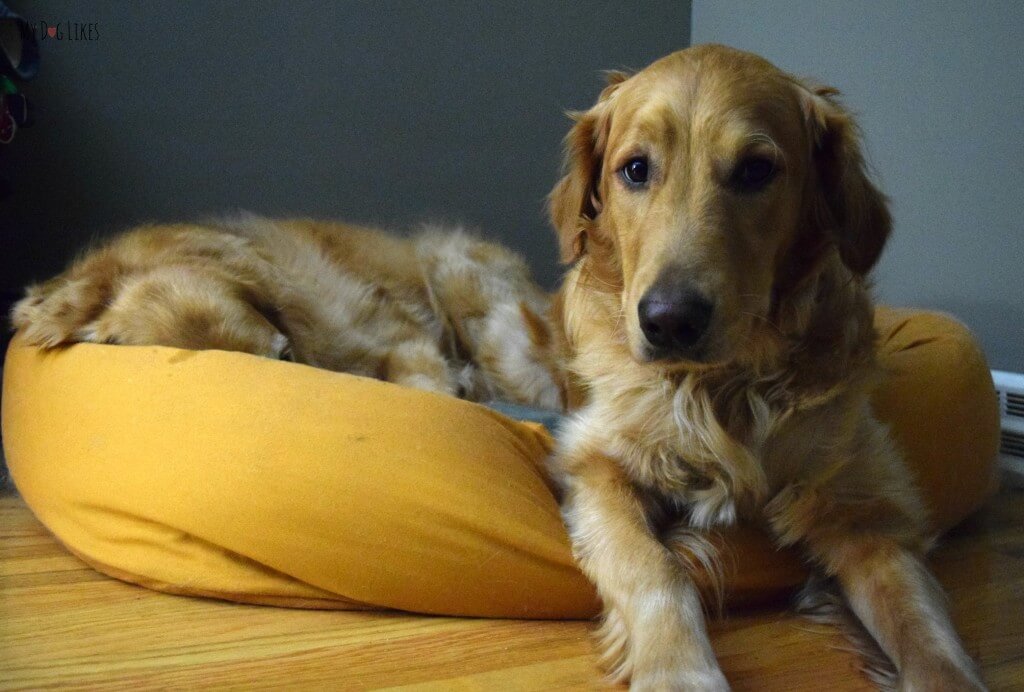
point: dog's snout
(674, 319)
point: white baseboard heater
(1010, 390)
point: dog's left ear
(850, 206)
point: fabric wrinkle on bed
(226, 475)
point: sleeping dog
(718, 328)
(442, 311)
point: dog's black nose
(674, 319)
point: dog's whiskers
(763, 319)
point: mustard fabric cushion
(226, 475)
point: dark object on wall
(19, 51)
(19, 60)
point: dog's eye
(753, 174)
(635, 171)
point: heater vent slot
(1012, 444)
(1014, 405)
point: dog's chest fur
(718, 444)
(670, 440)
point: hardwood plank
(64, 625)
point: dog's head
(705, 189)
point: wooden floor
(63, 625)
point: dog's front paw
(56, 313)
(708, 680)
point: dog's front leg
(900, 603)
(654, 631)
(870, 545)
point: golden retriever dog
(442, 311)
(718, 326)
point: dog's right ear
(575, 201)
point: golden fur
(768, 420)
(442, 311)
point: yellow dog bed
(227, 475)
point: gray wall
(940, 91)
(380, 112)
